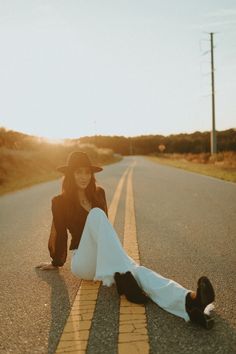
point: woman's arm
(57, 243)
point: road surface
(186, 227)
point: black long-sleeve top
(57, 243)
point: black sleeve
(57, 243)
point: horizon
(55, 140)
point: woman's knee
(96, 213)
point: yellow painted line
(115, 200)
(133, 335)
(130, 236)
(75, 335)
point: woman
(98, 254)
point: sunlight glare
(53, 141)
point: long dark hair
(69, 191)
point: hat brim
(64, 169)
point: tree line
(197, 142)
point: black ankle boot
(119, 283)
(126, 284)
(132, 290)
(195, 307)
(205, 293)
(199, 317)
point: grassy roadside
(21, 171)
(218, 167)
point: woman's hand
(46, 266)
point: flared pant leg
(100, 254)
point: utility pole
(213, 132)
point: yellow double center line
(133, 337)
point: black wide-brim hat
(78, 159)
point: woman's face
(82, 177)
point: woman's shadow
(60, 304)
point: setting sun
(53, 141)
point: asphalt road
(186, 227)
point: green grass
(226, 173)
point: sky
(72, 68)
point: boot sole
(198, 317)
(137, 301)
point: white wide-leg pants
(100, 254)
